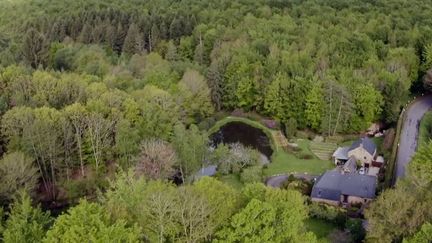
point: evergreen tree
(86, 34)
(26, 223)
(133, 42)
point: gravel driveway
(409, 133)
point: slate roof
(341, 153)
(332, 184)
(206, 171)
(367, 144)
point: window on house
(365, 157)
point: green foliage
(90, 222)
(267, 216)
(232, 158)
(164, 212)
(299, 185)
(328, 213)
(1, 222)
(92, 60)
(356, 229)
(26, 223)
(314, 106)
(422, 236)
(291, 128)
(425, 129)
(191, 148)
(399, 212)
(17, 173)
(419, 170)
(194, 97)
(252, 174)
(253, 224)
(220, 196)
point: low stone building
(363, 149)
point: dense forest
(105, 107)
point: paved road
(277, 181)
(409, 133)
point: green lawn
(320, 228)
(286, 162)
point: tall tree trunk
(331, 109)
(338, 116)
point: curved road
(277, 181)
(409, 133)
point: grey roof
(332, 184)
(341, 153)
(206, 171)
(367, 144)
(350, 165)
(327, 186)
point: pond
(245, 134)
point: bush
(305, 134)
(84, 187)
(252, 174)
(305, 156)
(291, 149)
(207, 123)
(290, 128)
(329, 213)
(354, 226)
(299, 185)
(272, 124)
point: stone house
(363, 149)
(336, 188)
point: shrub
(329, 213)
(207, 123)
(305, 156)
(354, 226)
(84, 187)
(290, 128)
(252, 174)
(299, 185)
(302, 135)
(272, 124)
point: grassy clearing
(320, 228)
(283, 163)
(425, 129)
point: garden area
(298, 159)
(300, 156)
